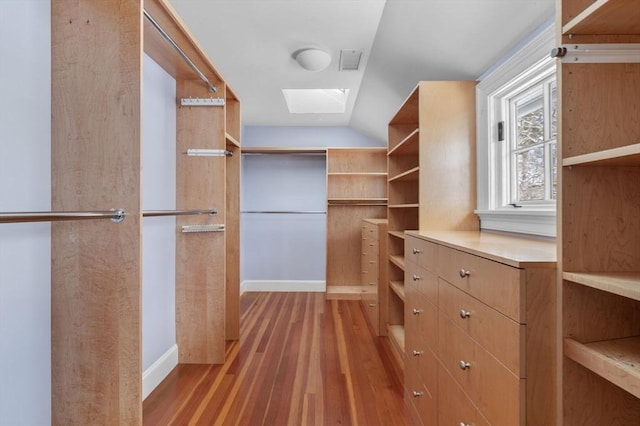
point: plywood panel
(232, 245)
(96, 265)
(200, 258)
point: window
(517, 115)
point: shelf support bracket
(598, 53)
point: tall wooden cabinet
(599, 233)
(96, 145)
(431, 177)
(374, 273)
(356, 189)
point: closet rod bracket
(202, 102)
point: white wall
(158, 233)
(287, 251)
(25, 182)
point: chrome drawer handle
(416, 278)
(464, 365)
(416, 311)
(416, 251)
(464, 273)
(464, 314)
(417, 353)
(416, 394)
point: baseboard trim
(276, 286)
(160, 369)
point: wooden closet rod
(116, 216)
(156, 213)
(180, 52)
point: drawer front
(422, 396)
(371, 230)
(499, 286)
(495, 391)
(454, 406)
(495, 332)
(421, 324)
(422, 253)
(425, 282)
(372, 308)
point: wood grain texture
(232, 244)
(200, 258)
(96, 265)
(301, 360)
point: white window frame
(530, 62)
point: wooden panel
(594, 92)
(606, 201)
(447, 148)
(498, 393)
(96, 265)
(356, 186)
(495, 332)
(356, 160)
(498, 285)
(232, 244)
(607, 17)
(421, 252)
(200, 258)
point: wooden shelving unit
(600, 227)
(96, 282)
(431, 174)
(356, 189)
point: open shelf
(396, 335)
(607, 17)
(404, 206)
(625, 284)
(280, 150)
(623, 156)
(617, 360)
(398, 288)
(398, 261)
(397, 234)
(365, 174)
(407, 146)
(409, 175)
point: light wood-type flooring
(301, 360)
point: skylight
(316, 101)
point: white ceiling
(251, 42)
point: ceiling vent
(350, 59)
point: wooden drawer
(422, 253)
(420, 324)
(454, 406)
(372, 308)
(495, 391)
(421, 396)
(496, 284)
(495, 332)
(425, 282)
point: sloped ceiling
(252, 42)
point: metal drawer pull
(417, 353)
(416, 278)
(372, 305)
(416, 394)
(416, 311)
(464, 273)
(464, 365)
(372, 261)
(464, 314)
(416, 251)
(464, 424)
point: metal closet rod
(283, 212)
(116, 216)
(156, 213)
(180, 52)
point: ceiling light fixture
(312, 59)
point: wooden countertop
(515, 250)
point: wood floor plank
(301, 360)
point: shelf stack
(600, 205)
(431, 182)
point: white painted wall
(25, 185)
(159, 193)
(287, 251)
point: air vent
(350, 59)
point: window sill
(521, 220)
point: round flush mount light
(312, 59)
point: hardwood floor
(301, 360)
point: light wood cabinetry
(431, 182)
(356, 189)
(480, 315)
(599, 206)
(96, 144)
(374, 272)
